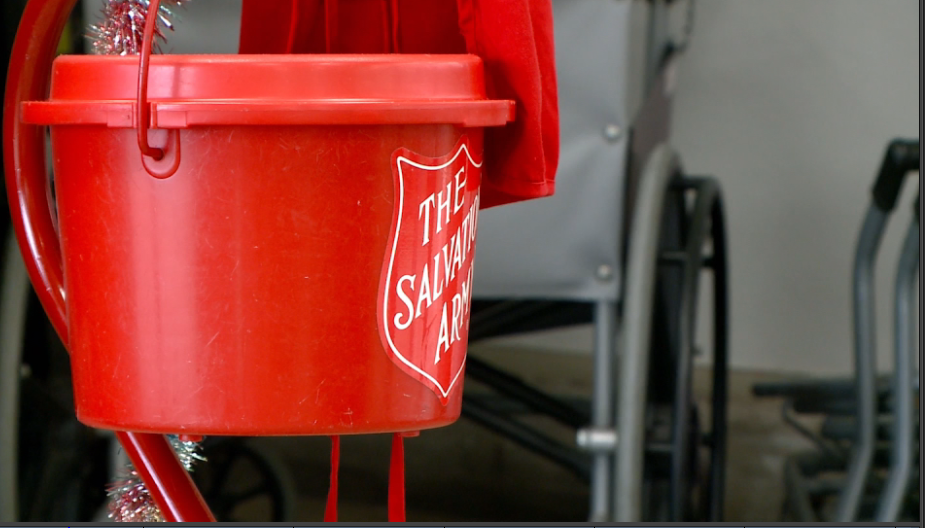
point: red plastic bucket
(298, 261)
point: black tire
(268, 494)
(683, 469)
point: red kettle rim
(197, 90)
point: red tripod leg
(167, 481)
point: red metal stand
(24, 156)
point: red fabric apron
(513, 37)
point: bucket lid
(193, 90)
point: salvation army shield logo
(425, 293)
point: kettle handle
(28, 78)
(158, 162)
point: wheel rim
(242, 483)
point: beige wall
(790, 103)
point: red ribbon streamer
(396, 480)
(330, 510)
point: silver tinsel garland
(129, 498)
(122, 26)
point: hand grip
(901, 158)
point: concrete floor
(466, 473)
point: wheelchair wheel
(242, 482)
(684, 465)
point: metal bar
(634, 341)
(825, 487)
(14, 299)
(865, 363)
(905, 349)
(168, 482)
(501, 404)
(491, 313)
(843, 428)
(697, 235)
(525, 316)
(832, 449)
(680, 258)
(835, 407)
(490, 322)
(797, 494)
(516, 389)
(837, 389)
(720, 391)
(528, 437)
(605, 328)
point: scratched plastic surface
(239, 295)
